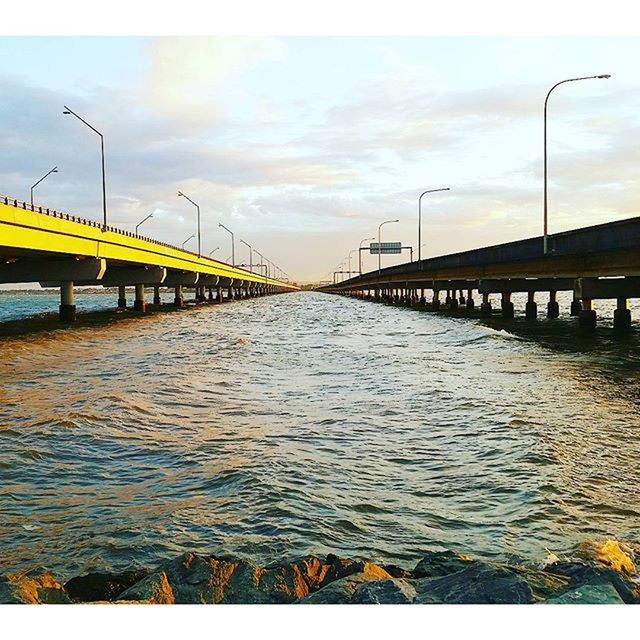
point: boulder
(396, 572)
(441, 563)
(588, 594)
(98, 587)
(27, 588)
(341, 567)
(485, 583)
(609, 554)
(339, 591)
(581, 573)
(393, 591)
(194, 578)
(153, 589)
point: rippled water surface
(311, 423)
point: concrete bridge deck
(60, 249)
(601, 261)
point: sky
(303, 145)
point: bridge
(596, 262)
(58, 249)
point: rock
(610, 554)
(484, 583)
(396, 572)
(341, 567)
(393, 591)
(581, 573)
(95, 587)
(339, 591)
(26, 588)
(441, 563)
(193, 578)
(154, 589)
(588, 594)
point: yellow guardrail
(48, 231)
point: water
(310, 423)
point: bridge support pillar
(622, 316)
(423, 300)
(122, 297)
(531, 308)
(462, 300)
(435, 304)
(211, 298)
(156, 295)
(485, 307)
(447, 299)
(139, 304)
(453, 301)
(507, 306)
(178, 300)
(470, 302)
(587, 316)
(67, 306)
(219, 296)
(230, 293)
(553, 308)
(576, 306)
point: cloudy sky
(303, 145)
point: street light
(379, 247)
(424, 193)
(143, 220)
(266, 267)
(193, 235)
(233, 244)
(250, 255)
(606, 76)
(68, 112)
(181, 195)
(360, 253)
(212, 252)
(350, 252)
(54, 170)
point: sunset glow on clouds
(303, 145)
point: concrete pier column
(122, 297)
(470, 302)
(156, 295)
(485, 306)
(178, 300)
(462, 300)
(622, 316)
(531, 308)
(453, 301)
(219, 296)
(447, 298)
(435, 304)
(139, 304)
(211, 298)
(553, 308)
(423, 300)
(576, 306)
(230, 293)
(507, 306)
(67, 306)
(587, 316)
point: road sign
(385, 247)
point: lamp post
(212, 252)
(187, 240)
(360, 253)
(54, 170)
(379, 247)
(266, 268)
(545, 244)
(68, 112)
(233, 244)
(143, 220)
(250, 255)
(424, 193)
(181, 195)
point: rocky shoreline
(602, 573)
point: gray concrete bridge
(597, 262)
